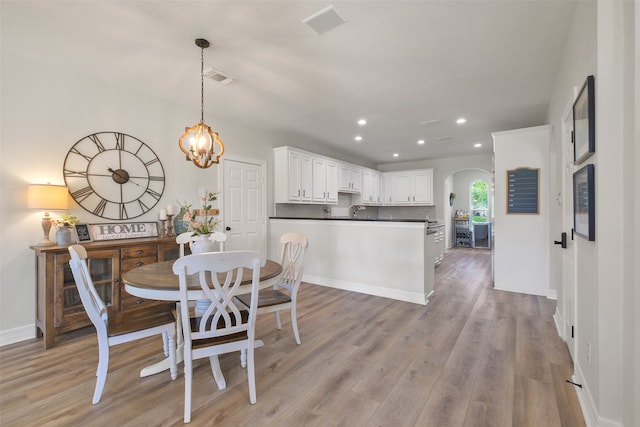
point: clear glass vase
(179, 225)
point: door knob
(229, 228)
(562, 242)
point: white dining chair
(122, 327)
(284, 293)
(220, 237)
(224, 326)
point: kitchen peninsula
(390, 258)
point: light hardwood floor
(473, 356)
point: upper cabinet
(349, 178)
(303, 177)
(300, 177)
(371, 187)
(325, 181)
(409, 188)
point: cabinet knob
(139, 263)
(139, 251)
(139, 301)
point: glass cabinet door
(104, 266)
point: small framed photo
(584, 122)
(584, 203)
(82, 233)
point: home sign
(129, 230)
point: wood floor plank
(474, 356)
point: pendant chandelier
(199, 143)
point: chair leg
(187, 389)
(165, 344)
(251, 375)
(173, 368)
(243, 357)
(101, 373)
(278, 324)
(294, 323)
(217, 372)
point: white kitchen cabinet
(410, 188)
(350, 178)
(371, 186)
(325, 181)
(292, 176)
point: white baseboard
(552, 294)
(559, 321)
(368, 289)
(18, 334)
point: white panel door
(243, 208)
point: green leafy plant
(66, 220)
(200, 221)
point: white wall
(44, 112)
(604, 40)
(522, 242)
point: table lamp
(47, 197)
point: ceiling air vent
(443, 139)
(324, 21)
(218, 76)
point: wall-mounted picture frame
(584, 203)
(584, 122)
(82, 233)
(123, 230)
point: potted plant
(63, 226)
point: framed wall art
(584, 203)
(82, 233)
(584, 122)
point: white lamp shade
(48, 197)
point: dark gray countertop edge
(352, 219)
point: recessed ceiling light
(477, 145)
(395, 154)
(362, 122)
(358, 138)
(461, 120)
(420, 141)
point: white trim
(558, 320)
(21, 333)
(552, 294)
(368, 289)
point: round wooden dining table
(158, 281)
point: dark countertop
(353, 219)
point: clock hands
(121, 176)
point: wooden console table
(58, 305)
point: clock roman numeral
(150, 162)
(99, 210)
(94, 138)
(75, 174)
(154, 194)
(83, 193)
(156, 178)
(119, 140)
(143, 206)
(123, 211)
(74, 150)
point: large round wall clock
(114, 175)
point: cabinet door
(355, 178)
(104, 267)
(306, 178)
(319, 180)
(402, 189)
(332, 182)
(423, 187)
(344, 178)
(388, 181)
(295, 161)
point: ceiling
(398, 64)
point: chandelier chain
(202, 85)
